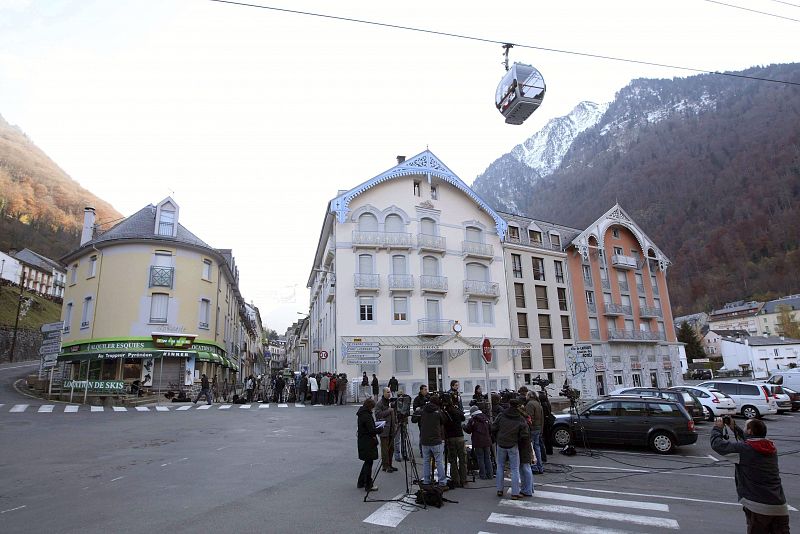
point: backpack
(431, 495)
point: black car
(659, 423)
(701, 374)
(689, 401)
(794, 396)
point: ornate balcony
(401, 282)
(433, 284)
(398, 240)
(477, 250)
(605, 283)
(587, 281)
(594, 334)
(434, 327)
(477, 288)
(161, 276)
(366, 282)
(592, 307)
(431, 243)
(382, 240)
(620, 261)
(649, 311)
(632, 335)
(623, 285)
(613, 309)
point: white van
(790, 379)
(752, 400)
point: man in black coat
(302, 388)
(431, 440)
(456, 452)
(394, 385)
(758, 479)
(367, 444)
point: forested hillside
(41, 207)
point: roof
(738, 308)
(763, 341)
(793, 301)
(523, 221)
(30, 257)
(700, 317)
(731, 333)
(141, 225)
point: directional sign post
(51, 344)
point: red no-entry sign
(486, 349)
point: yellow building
(150, 304)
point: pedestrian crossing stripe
(120, 409)
(19, 408)
(74, 408)
(549, 525)
(162, 409)
(204, 407)
(46, 408)
(263, 406)
(142, 409)
(574, 511)
(71, 409)
(96, 408)
(225, 406)
(182, 408)
(245, 407)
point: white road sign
(362, 361)
(52, 327)
(49, 349)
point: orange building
(622, 309)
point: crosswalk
(74, 408)
(557, 511)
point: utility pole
(16, 321)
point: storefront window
(109, 369)
(132, 369)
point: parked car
(782, 398)
(790, 378)
(715, 403)
(662, 424)
(751, 400)
(701, 374)
(794, 396)
(692, 405)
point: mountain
(709, 166)
(41, 207)
(507, 180)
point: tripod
(407, 453)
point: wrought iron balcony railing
(479, 288)
(431, 242)
(473, 248)
(433, 283)
(434, 327)
(161, 276)
(366, 281)
(401, 281)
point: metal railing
(614, 309)
(383, 239)
(366, 281)
(623, 285)
(625, 262)
(473, 248)
(587, 280)
(374, 239)
(398, 240)
(161, 276)
(605, 283)
(431, 242)
(594, 334)
(592, 307)
(650, 311)
(633, 335)
(433, 283)
(434, 327)
(481, 288)
(401, 281)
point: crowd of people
(322, 389)
(512, 435)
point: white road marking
(633, 519)
(263, 406)
(19, 408)
(118, 478)
(283, 405)
(597, 500)
(46, 408)
(390, 514)
(166, 464)
(71, 408)
(12, 509)
(120, 408)
(245, 406)
(223, 447)
(548, 525)
(19, 367)
(612, 468)
(142, 409)
(298, 405)
(666, 472)
(225, 407)
(663, 457)
(1, 405)
(204, 407)
(162, 408)
(688, 499)
(96, 408)
(183, 408)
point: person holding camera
(456, 452)
(431, 420)
(509, 429)
(385, 412)
(758, 480)
(367, 444)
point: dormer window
(167, 218)
(513, 233)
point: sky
(252, 119)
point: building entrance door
(434, 378)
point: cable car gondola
(520, 92)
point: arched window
(399, 264)
(474, 235)
(364, 264)
(367, 222)
(427, 226)
(478, 272)
(430, 266)
(394, 223)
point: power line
(495, 41)
(786, 3)
(754, 10)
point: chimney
(88, 225)
(400, 159)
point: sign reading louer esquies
(96, 385)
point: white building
(762, 354)
(10, 268)
(407, 279)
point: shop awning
(127, 354)
(210, 357)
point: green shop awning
(127, 354)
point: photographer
(456, 395)
(758, 481)
(421, 399)
(456, 452)
(431, 419)
(384, 411)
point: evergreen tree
(694, 348)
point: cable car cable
(494, 41)
(753, 10)
(786, 3)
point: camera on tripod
(539, 381)
(401, 405)
(570, 393)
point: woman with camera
(367, 444)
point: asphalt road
(294, 469)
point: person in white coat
(314, 385)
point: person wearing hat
(478, 428)
(509, 430)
